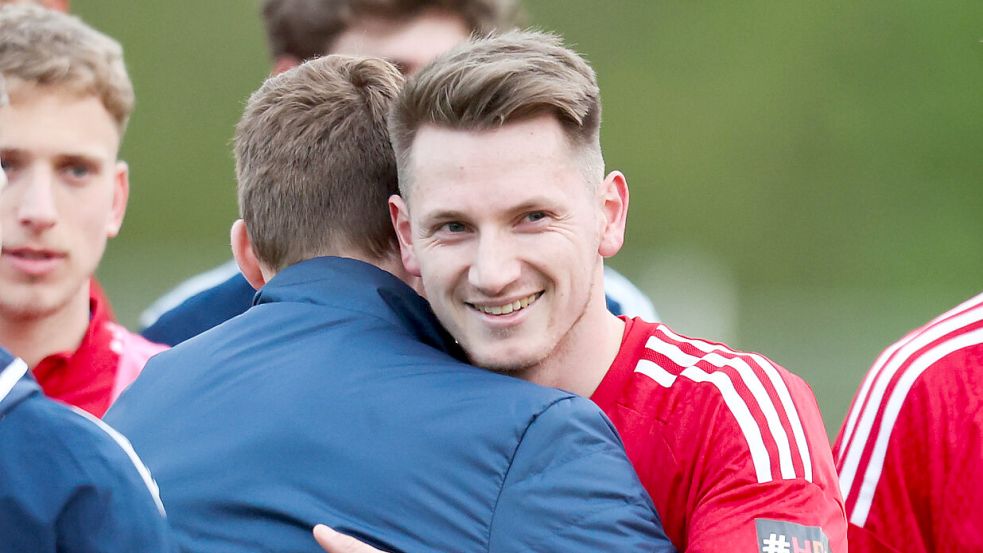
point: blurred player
(506, 215)
(408, 34)
(70, 98)
(335, 398)
(910, 453)
(67, 481)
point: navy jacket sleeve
(70, 487)
(112, 511)
(571, 488)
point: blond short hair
(492, 81)
(45, 48)
(306, 29)
(313, 161)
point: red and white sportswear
(105, 363)
(730, 446)
(910, 453)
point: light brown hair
(306, 29)
(45, 48)
(492, 81)
(314, 164)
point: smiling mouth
(505, 309)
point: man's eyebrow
(443, 215)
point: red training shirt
(730, 446)
(105, 363)
(910, 453)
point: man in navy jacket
(336, 398)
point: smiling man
(507, 215)
(70, 98)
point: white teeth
(507, 308)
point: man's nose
(496, 265)
(36, 204)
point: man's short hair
(306, 29)
(49, 49)
(314, 164)
(489, 82)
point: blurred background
(806, 178)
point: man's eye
(454, 227)
(536, 216)
(77, 171)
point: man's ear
(284, 62)
(242, 251)
(400, 215)
(121, 194)
(613, 198)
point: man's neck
(33, 339)
(579, 363)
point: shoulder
(196, 305)
(743, 403)
(931, 360)
(73, 448)
(918, 388)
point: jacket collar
(353, 285)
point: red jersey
(105, 363)
(910, 453)
(730, 446)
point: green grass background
(806, 177)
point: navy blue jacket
(68, 483)
(334, 400)
(213, 297)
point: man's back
(331, 401)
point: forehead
(55, 122)
(494, 168)
(416, 39)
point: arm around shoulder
(571, 488)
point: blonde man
(70, 99)
(336, 397)
(408, 33)
(506, 215)
(67, 481)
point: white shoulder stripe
(793, 414)
(865, 409)
(749, 427)
(876, 465)
(127, 448)
(9, 376)
(781, 388)
(753, 383)
(663, 377)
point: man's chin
(30, 308)
(513, 365)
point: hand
(336, 542)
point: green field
(807, 178)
